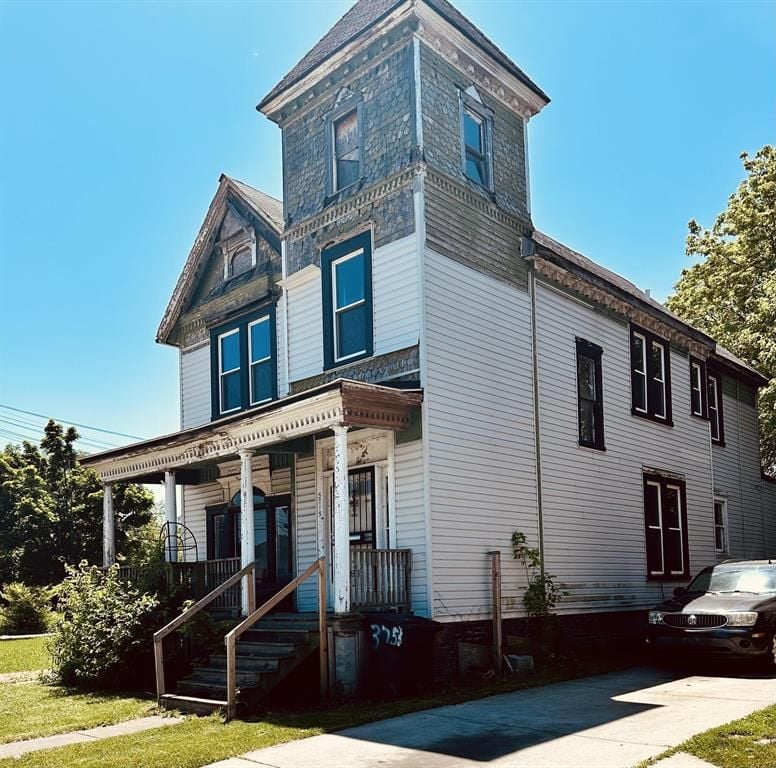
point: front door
(272, 541)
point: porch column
(247, 548)
(108, 529)
(171, 517)
(341, 522)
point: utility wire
(39, 430)
(73, 423)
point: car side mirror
(679, 591)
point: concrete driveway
(605, 721)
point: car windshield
(755, 579)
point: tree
(51, 510)
(731, 294)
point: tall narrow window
(715, 408)
(697, 388)
(260, 360)
(650, 376)
(347, 156)
(665, 526)
(476, 141)
(720, 525)
(229, 370)
(590, 395)
(347, 300)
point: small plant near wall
(543, 592)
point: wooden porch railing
(319, 567)
(380, 578)
(232, 581)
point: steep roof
(365, 14)
(267, 207)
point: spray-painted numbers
(382, 635)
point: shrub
(543, 593)
(104, 639)
(26, 609)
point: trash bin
(400, 654)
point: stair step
(202, 689)
(192, 704)
(266, 634)
(257, 663)
(216, 676)
(265, 649)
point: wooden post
(108, 529)
(231, 677)
(496, 584)
(159, 663)
(323, 630)
(247, 548)
(341, 522)
(171, 517)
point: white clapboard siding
(395, 292)
(410, 518)
(480, 437)
(737, 478)
(306, 531)
(195, 499)
(769, 513)
(593, 507)
(195, 386)
(280, 340)
(305, 328)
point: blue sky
(117, 119)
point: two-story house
(393, 370)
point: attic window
(241, 261)
(345, 136)
(476, 141)
(239, 253)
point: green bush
(26, 610)
(104, 638)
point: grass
(198, 741)
(31, 709)
(23, 655)
(750, 741)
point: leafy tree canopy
(731, 293)
(51, 510)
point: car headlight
(655, 617)
(742, 619)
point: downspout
(529, 247)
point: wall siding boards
(195, 386)
(305, 507)
(481, 441)
(305, 329)
(195, 499)
(593, 507)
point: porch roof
(340, 402)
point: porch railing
(380, 578)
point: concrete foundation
(346, 654)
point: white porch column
(171, 516)
(247, 548)
(108, 529)
(341, 522)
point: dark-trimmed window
(590, 403)
(346, 270)
(698, 387)
(243, 363)
(715, 408)
(476, 141)
(650, 376)
(665, 527)
(346, 152)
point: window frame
(696, 364)
(649, 378)
(592, 352)
(263, 319)
(664, 482)
(221, 373)
(724, 525)
(241, 325)
(485, 117)
(339, 253)
(334, 118)
(714, 381)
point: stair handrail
(160, 634)
(319, 567)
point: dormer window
(240, 262)
(476, 141)
(346, 150)
(239, 253)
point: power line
(73, 423)
(26, 425)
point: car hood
(710, 603)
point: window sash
(265, 361)
(349, 153)
(678, 527)
(659, 527)
(339, 310)
(659, 381)
(477, 155)
(696, 389)
(714, 410)
(223, 375)
(640, 374)
(720, 525)
(650, 376)
(590, 408)
(665, 522)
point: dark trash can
(400, 654)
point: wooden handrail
(319, 567)
(159, 635)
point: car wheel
(769, 659)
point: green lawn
(23, 655)
(31, 709)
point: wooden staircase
(266, 654)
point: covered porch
(333, 430)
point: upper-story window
(347, 300)
(715, 408)
(697, 388)
(650, 376)
(243, 363)
(346, 152)
(590, 401)
(476, 141)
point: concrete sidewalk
(607, 721)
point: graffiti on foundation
(382, 635)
